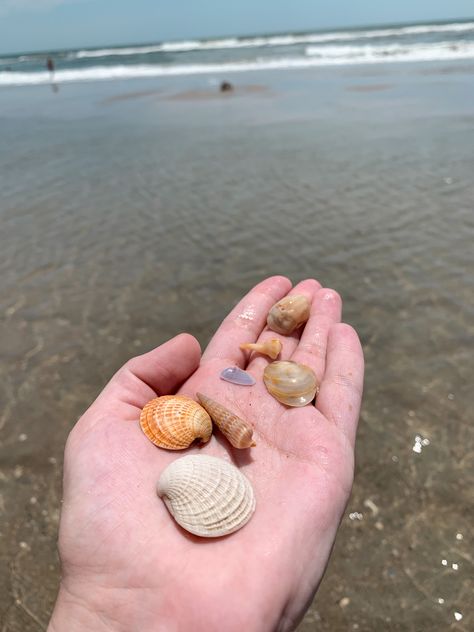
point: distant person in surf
(50, 67)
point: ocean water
(132, 210)
(397, 43)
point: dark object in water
(226, 86)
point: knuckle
(313, 348)
(346, 382)
(331, 295)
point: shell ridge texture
(175, 421)
(222, 500)
(235, 429)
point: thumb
(157, 372)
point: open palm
(128, 566)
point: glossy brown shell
(291, 383)
(174, 422)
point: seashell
(288, 314)
(234, 375)
(174, 422)
(271, 347)
(236, 430)
(290, 383)
(206, 495)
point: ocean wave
(110, 52)
(271, 40)
(315, 56)
(10, 60)
(392, 52)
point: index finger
(246, 321)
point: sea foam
(415, 43)
(314, 57)
(272, 40)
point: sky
(29, 25)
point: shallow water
(126, 220)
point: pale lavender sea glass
(237, 376)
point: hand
(126, 564)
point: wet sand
(369, 87)
(191, 95)
(135, 94)
(123, 225)
(235, 91)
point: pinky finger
(340, 395)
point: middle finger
(257, 361)
(326, 310)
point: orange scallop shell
(175, 421)
(236, 430)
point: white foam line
(272, 40)
(101, 73)
(389, 51)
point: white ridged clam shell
(206, 495)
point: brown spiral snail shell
(236, 430)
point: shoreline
(271, 76)
(125, 223)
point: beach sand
(127, 219)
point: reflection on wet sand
(225, 90)
(125, 96)
(211, 94)
(369, 87)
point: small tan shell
(290, 383)
(271, 347)
(288, 314)
(236, 430)
(174, 422)
(206, 495)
